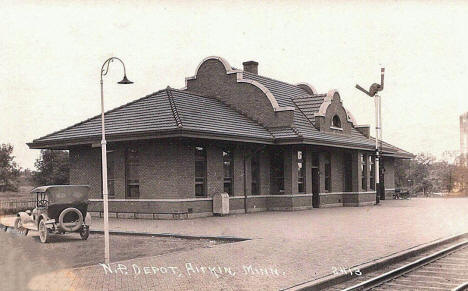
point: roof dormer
(332, 116)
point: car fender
(44, 217)
(88, 220)
(25, 218)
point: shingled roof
(171, 112)
(168, 111)
(307, 105)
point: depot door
(315, 187)
(348, 174)
(382, 180)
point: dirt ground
(65, 251)
(70, 251)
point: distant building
(270, 145)
(464, 137)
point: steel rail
(376, 281)
(463, 286)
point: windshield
(39, 197)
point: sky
(51, 54)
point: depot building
(268, 144)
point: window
(315, 161)
(255, 173)
(372, 172)
(336, 122)
(228, 171)
(327, 163)
(277, 172)
(364, 171)
(200, 171)
(300, 172)
(132, 173)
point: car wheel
(43, 232)
(19, 227)
(71, 226)
(84, 232)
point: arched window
(336, 122)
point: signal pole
(374, 88)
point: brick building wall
(85, 169)
(213, 80)
(337, 165)
(167, 171)
(264, 173)
(239, 172)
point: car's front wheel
(43, 232)
(84, 232)
(20, 228)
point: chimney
(364, 129)
(251, 67)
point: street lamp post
(374, 88)
(105, 194)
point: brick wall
(85, 169)
(239, 171)
(290, 170)
(389, 165)
(334, 108)
(264, 172)
(215, 170)
(167, 170)
(337, 168)
(212, 81)
(119, 172)
(308, 169)
(356, 171)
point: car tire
(43, 232)
(78, 224)
(84, 232)
(19, 227)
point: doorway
(315, 187)
(382, 179)
(348, 172)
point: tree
(421, 173)
(461, 174)
(52, 168)
(9, 170)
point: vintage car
(59, 209)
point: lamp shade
(125, 81)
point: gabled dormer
(332, 117)
(215, 78)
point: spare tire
(73, 226)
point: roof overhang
(90, 140)
(301, 140)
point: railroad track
(446, 269)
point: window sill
(336, 128)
